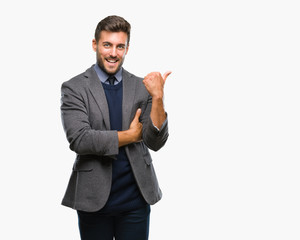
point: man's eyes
(107, 45)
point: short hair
(113, 24)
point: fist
(154, 83)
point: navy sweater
(124, 195)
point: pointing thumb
(166, 74)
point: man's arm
(154, 84)
(154, 119)
(85, 140)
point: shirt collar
(103, 75)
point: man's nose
(113, 52)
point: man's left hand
(154, 83)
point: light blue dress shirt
(103, 76)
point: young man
(111, 119)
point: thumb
(137, 114)
(166, 74)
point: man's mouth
(112, 60)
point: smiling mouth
(112, 60)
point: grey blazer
(85, 118)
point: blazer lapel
(129, 86)
(99, 94)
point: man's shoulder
(80, 79)
(127, 74)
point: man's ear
(127, 48)
(94, 45)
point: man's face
(111, 50)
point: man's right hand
(134, 133)
(136, 126)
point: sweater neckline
(112, 87)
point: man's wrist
(158, 97)
(126, 137)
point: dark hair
(113, 24)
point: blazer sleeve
(82, 138)
(153, 137)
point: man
(111, 118)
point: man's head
(111, 43)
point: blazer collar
(98, 93)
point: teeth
(112, 61)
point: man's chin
(109, 70)
(112, 71)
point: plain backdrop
(230, 169)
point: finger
(138, 114)
(166, 74)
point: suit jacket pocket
(84, 163)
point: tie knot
(111, 79)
